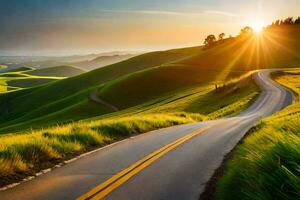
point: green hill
(64, 71)
(149, 77)
(16, 80)
(276, 47)
(29, 82)
(150, 84)
(101, 61)
(18, 69)
(224, 61)
(69, 96)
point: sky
(66, 27)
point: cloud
(148, 12)
(178, 13)
(218, 12)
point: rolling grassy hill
(48, 146)
(148, 77)
(64, 71)
(152, 90)
(229, 59)
(102, 61)
(70, 95)
(150, 84)
(13, 81)
(29, 82)
(18, 69)
(276, 47)
(26, 77)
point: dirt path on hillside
(94, 97)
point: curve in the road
(184, 158)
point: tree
(221, 36)
(209, 40)
(277, 23)
(246, 31)
(297, 21)
(288, 21)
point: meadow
(266, 164)
(44, 124)
(145, 78)
(26, 152)
(20, 78)
(27, 77)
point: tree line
(287, 21)
(211, 39)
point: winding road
(171, 163)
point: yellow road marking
(115, 181)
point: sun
(257, 25)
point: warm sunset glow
(257, 25)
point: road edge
(211, 186)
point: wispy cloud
(148, 12)
(167, 12)
(218, 12)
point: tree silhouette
(246, 31)
(288, 21)
(221, 36)
(209, 40)
(277, 23)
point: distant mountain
(49, 61)
(63, 71)
(102, 61)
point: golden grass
(267, 164)
(27, 151)
(30, 151)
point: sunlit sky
(61, 27)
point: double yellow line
(115, 181)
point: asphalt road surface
(171, 163)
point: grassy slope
(29, 78)
(179, 94)
(150, 84)
(49, 146)
(101, 61)
(54, 97)
(20, 79)
(224, 61)
(267, 164)
(19, 69)
(198, 99)
(29, 82)
(277, 47)
(156, 78)
(64, 71)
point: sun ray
(225, 72)
(266, 52)
(252, 54)
(274, 39)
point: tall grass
(33, 150)
(267, 164)
(27, 152)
